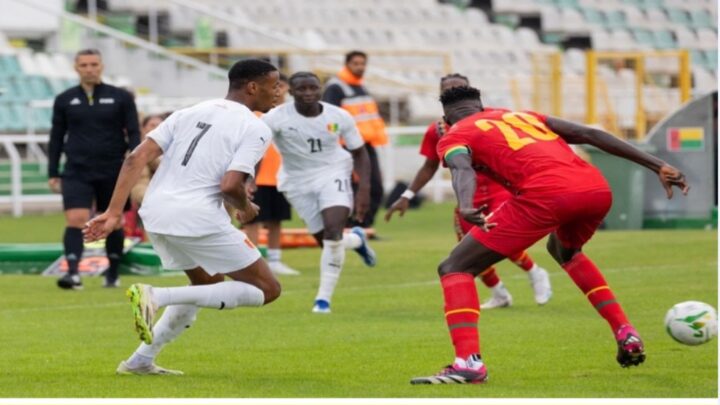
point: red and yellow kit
(553, 189)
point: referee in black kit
(95, 124)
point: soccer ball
(691, 322)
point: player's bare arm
(132, 168)
(574, 133)
(361, 166)
(233, 188)
(464, 183)
(422, 177)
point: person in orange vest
(274, 208)
(346, 90)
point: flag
(689, 139)
(333, 127)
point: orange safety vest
(362, 107)
(267, 172)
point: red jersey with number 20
(519, 150)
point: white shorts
(222, 252)
(336, 191)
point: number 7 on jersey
(204, 127)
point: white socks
(331, 264)
(225, 295)
(274, 255)
(351, 240)
(171, 324)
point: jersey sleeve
(163, 134)
(428, 147)
(450, 146)
(253, 145)
(269, 118)
(349, 132)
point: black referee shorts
(80, 193)
(272, 203)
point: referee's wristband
(409, 194)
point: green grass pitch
(386, 327)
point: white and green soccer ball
(691, 322)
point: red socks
(489, 277)
(592, 283)
(462, 311)
(523, 260)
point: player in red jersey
(556, 193)
(488, 193)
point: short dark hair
(455, 94)
(248, 70)
(88, 51)
(454, 76)
(352, 54)
(302, 75)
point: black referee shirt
(100, 129)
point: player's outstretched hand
(400, 205)
(248, 214)
(101, 226)
(475, 216)
(669, 177)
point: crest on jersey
(333, 127)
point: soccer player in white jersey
(315, 176)
(209, 150)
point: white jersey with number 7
(200, 144)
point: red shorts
(525, 219)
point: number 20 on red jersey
(519, 129)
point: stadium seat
(664, 39)
(707, 38)
(657, 17)
(4, 118)
(685, 37)
(573, 21)
(644, 37)
(634, 18)
(574, 60)
(678, 16)
(702, 18)
(594, 16)
(616, 19)
(711, 59)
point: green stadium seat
(40, 88)
(567, 3)
(678, 16)
(644, 37)
(593, 16)
(646, 4)
(702, 19)
(711, 59)
(615, 19)
(4, 118)
(9, 66)
(664, 39)
(17, 118)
